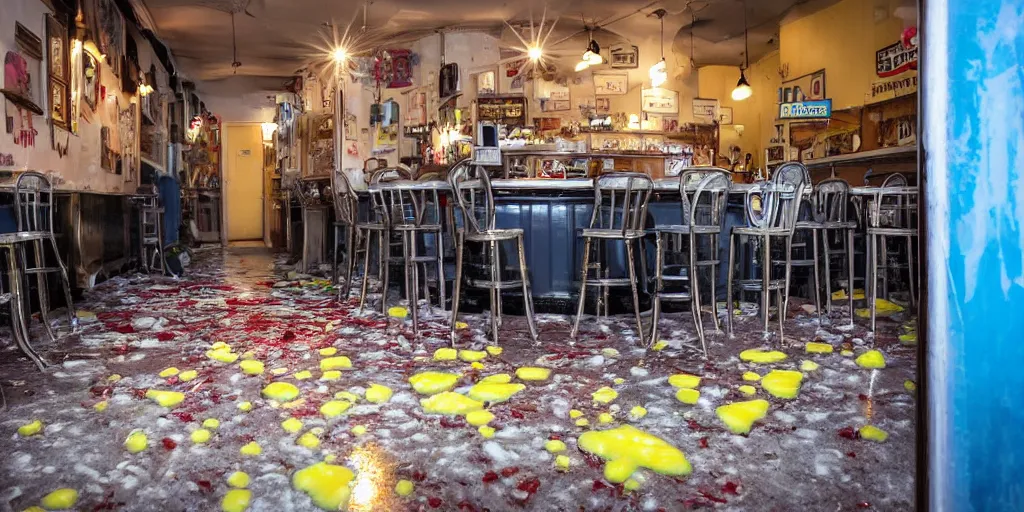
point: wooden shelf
(864, 157)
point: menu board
(509, 111)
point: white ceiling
(275, 38)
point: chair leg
(828, 272)
(884, 265)
(728, 284)
(911, 275)
(659, 287)
(442, 292)
(695, 295)
(784, 303)
(631, 268)
(527, 294)
(334, 260)
(782, 318)
(350, 254)
(714, 283)
(43, 287)
(817, 281)
(873, 275)
(460, 242)
(766, 279)
(385, 248)
(410, 279)
(849, 269)
(495, 293)
(19, 324)
(583, 289)
(160, 244)
(366, 270)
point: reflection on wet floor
(237, 322)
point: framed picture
(603, 106)
(90, 79)
(610, 85)
(58, 102)
(111, 33)
(659, 101)
(725, 115)
(485, 85)
(624, 56)
(57, 53)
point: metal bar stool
(34, 203)
(476, 202)
(779, 204)
(620, 208)
(704, 215)
(892, 214)
(831, 199)
(346, 213)
(379, 224)
(151, 231)
(411, 210)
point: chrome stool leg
(631, 261)
(385, 261)
(460, 242)
(43, 291)
(828, 271)
(497, 270)
(658, 288)
(766, 278)
(849, 270)
(411, 284)
(334, 261)
(527, 295)
(583, 289)
(695, 295)
(366, 269)
(351, 250)
(19, 324)
(495, 293)
(442, 293)
(872, 276)
(714, 281)
(729, 307)
(817, 283)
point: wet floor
(805, 453)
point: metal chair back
(780, 198)
(707, 206)
(830, 200)
(34, 202)
(620, 201)
(896, 205)
(346, 204)
(475, 203)
(391, 206)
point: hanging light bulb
(659, 71)
(593, 54)
(742, 90)
(535, 53)
(583, 64)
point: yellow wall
(841, 39)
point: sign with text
(898, 57)
(705, 110)
(892, 88)
(818, 109)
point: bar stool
(620, 209)
(476, 203)
(379, 224)
(704, 215)
(33, 205)
(831, 199)
(151, 230)
(892, 214)
(411, 211)
(346, 212)
(780, 203)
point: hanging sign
(898, 57)
(892, 88)
(818, 109)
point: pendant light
(592, 55)
(659, 71)
(743, 90)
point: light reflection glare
(370, 487)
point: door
(243, 181)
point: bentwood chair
(471, 187)
(780, 203)
(346, 213)
(379, 224)
(33, 203)
(413, 209)
(620, 209)
(892, 215)
(703, 215)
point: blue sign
(818, 109)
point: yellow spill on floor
(626, 449)
(740, 416)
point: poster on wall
(603, 106)
(705, 110)
(397, 68)
(809, 87)
(610, 85)
(898, 57)
(624, 56)
(891, 88)
(485, 84)
(512, 76)
(127, 129)
(659, 101)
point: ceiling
(275, 38)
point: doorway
(243, 181)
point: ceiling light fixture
(535, 53)
(743, 89)
(659, 71)
(339, 55)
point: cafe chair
(411, 212)
(831, 200)
(774, 220)
(346, 214)
(34, 203)
(704, 194)
(892, 217)
(471, 187)
(379, 225)
(620, 209)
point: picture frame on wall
(58, 69)
(606, 84)
(659, 101)
(57, 98)
(485, 84)
(624, 56)
(111, 34)
(725, 115)
(90, 79)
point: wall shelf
(864, 157)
